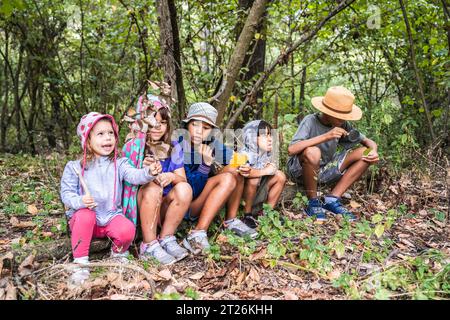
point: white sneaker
(79, 273)
(241, 229)
(170, 244)
(154, 250)
(196, 242)
(120, 257)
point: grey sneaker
(154, 250)
(120, 257)
(241, 229)
(196, 242)
(170, 244)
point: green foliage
(167, 296)
(191, 293)
(300, 201)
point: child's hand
(88, 201)
(155, 168)
(271, 169)
(164, 179)
(372, 157)
(206, 153)
(245, 170)
(336, 133)
(148, 161)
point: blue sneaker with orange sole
(337, 207)
(315, 210)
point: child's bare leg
(212, 198)
(174, 206)
(276, 186)
(310, 159)
(355, 168)
(251, 185)
(236, 196)
(149, 198)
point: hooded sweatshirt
(104, 177)
(257, 158)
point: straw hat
(338, 102)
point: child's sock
(81, 260)
(330, 199)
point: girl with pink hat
(91, 189)
(163, 202)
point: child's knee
(183, 192)
(151, 192)
(281, 177)
(228, 180)
(359, 152)
(125, 231)
(253, 182)
(84, 216)
(311, 155)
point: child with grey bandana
(263, 181)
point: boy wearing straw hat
(312, 152)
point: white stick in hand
(83, 183)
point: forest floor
(399, 248)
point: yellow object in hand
(366, 152)
(238, 160)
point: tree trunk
(17, 99)
(4, 122)
(255, 62)
(445, 7)
(220, 100)
(301, 99)
(416, 71)
(170, 52)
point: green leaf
(6, 8)
(387, 119)
(437, 113)
(379, 230)
(377, 218)
(339, 249)
(382, 294)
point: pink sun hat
(88, 121)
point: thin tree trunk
(416, 71)
(170, 52)
(17, 99)
(4, 122)
(445, 7)
(220, 100)
(301, 99)
(83, 100)
(204, 47)
(255, 62)
(275, 112)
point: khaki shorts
(262, 192)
